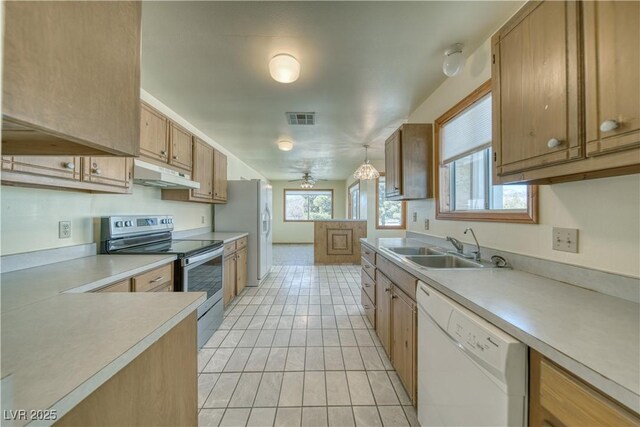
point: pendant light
(366, 170)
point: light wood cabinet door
(154, 138)
(383, 311)
(612, 76)
(536, 91)
(71, 78)
(67, 167)
(203, 169)
(403, 336)
(123, 286)
(219, 176)
(241, 270)
(112, 171)
(229, 285)
(392, 165)
(181, 144)
(557, 398)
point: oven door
(204, 273)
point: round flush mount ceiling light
(284, 68)
(453, 60)
(285, 145)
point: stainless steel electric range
(199, 267)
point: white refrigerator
(248, 208)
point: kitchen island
(337, 241)
(75, 357)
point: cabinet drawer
(241, 243)
(153, 279)
(229, 248)
(369, 269)
(369, 286)
(574, 403)
(369, 254)
(398, 276)
(123, 286)
(164, 288)
(369, 308)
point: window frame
(530, 216)
(320, 190)
(403, 224)
(349, 201)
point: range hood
(157, 176)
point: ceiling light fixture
(454, 60)
(284, 68)
(285, 145)
(366, 170)
(306, 185)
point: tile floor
(299, 351)
(292, 254)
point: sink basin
(444, 261)
(408, 250)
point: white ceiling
(365, 67)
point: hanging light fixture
(306, 185)
(366, 170)
(453, 60)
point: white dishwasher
(470, 373)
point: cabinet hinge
(495, 156)
(493, 59)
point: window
(354, 201)
(308, 205)
(464, 187)
(390, 214)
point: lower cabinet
(404, 325)
(557, 398)
(158, 388)
(94, 174)
(157, 280)
(396, 319)
(235, 269)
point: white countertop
(593, 335)
(59, 345)
(226, 237)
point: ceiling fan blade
(295, 180)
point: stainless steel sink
(408, 250)
(444, 261)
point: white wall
(30, 216)
(302, 232)
(606, 211)
(368, 203)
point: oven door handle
(188, 262)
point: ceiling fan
(307, 181)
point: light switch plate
(426, 224)
(64, 229)
(565, 239)
(415, 216)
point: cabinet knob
(175, 157)
(609, 125)
(209, 192)
(70, 166)
(97, 171)
(386, 289)
(553, 143)
(164, 153)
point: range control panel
(118, 226)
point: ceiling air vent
(301, 118)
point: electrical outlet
(565, 239)
(426, 223)
(415, 216)
(202, 219)
(64, 229)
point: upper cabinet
(612, 75)
(181, 147)
(71, 78)
(219, 176)
(546, 98)
(210, 170)
(154, 138)
(408, 159)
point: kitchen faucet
(477, 256)
(456, 244)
